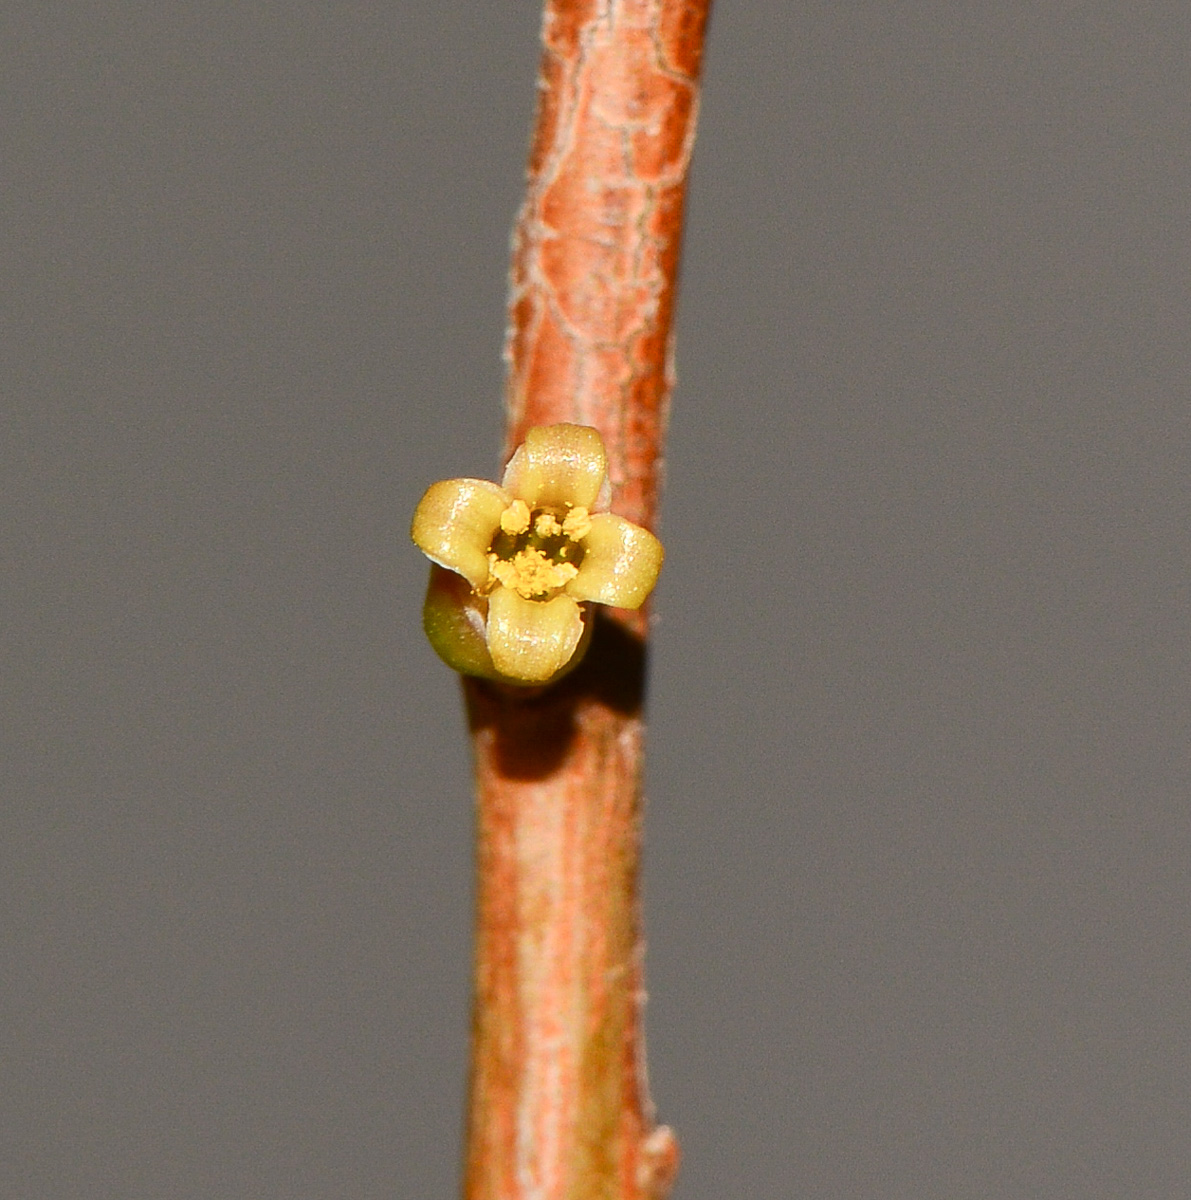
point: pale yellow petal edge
(621, 563)
(455, 522)
(531, 641)
(560, 466)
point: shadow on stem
(535, 727)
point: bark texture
(559, 1106)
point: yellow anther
(515, 518)
(502, 571)
(546, 525)
(577, 524)
(531, 573)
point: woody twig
(559, 1106)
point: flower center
(537, 553)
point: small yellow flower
(533, 551)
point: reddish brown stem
(559, 1108)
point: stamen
(532, 574)
(515, 519)
(546, 525)
(576, 524)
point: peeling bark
(559, 1106)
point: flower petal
(532, 640)
(620, 563)
(455, 522)
(560, 465)
(453, 617)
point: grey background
(918, 836)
